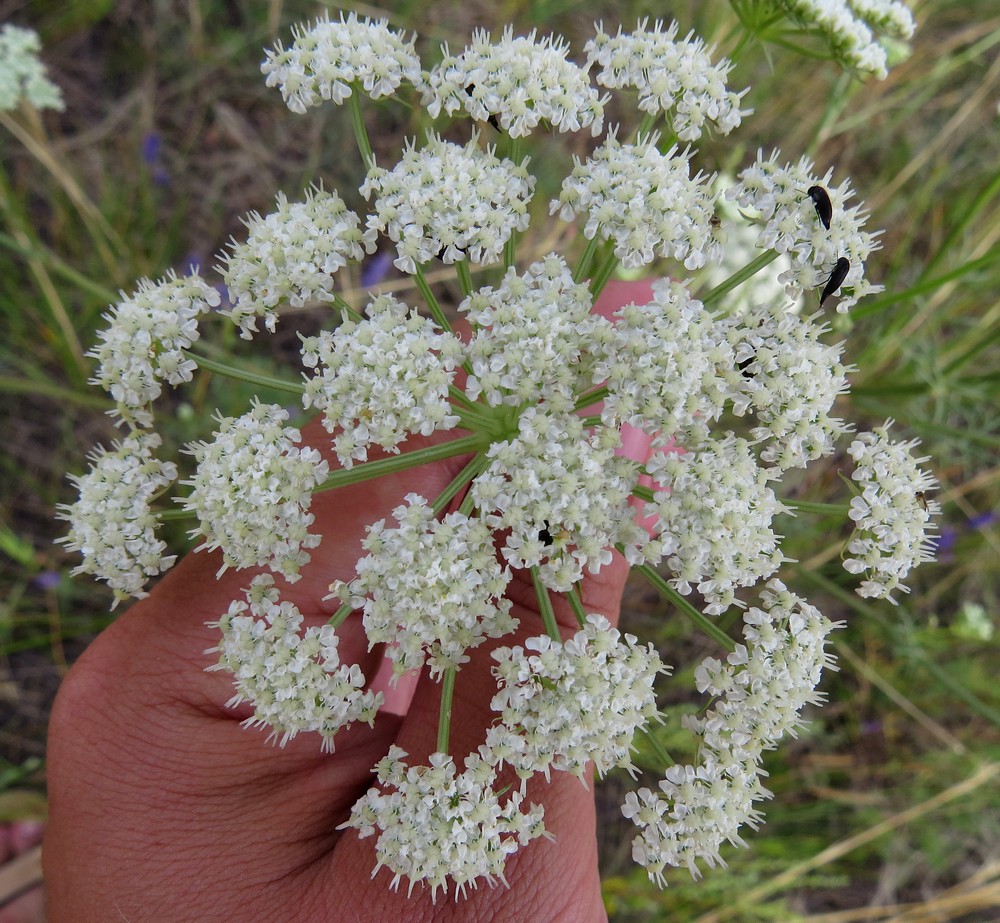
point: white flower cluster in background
(533, 408)
(853, 28)
(22, 75)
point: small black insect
(824, 207)
(544, 536)
(492, 119)
(836, 279)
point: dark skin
(163, 808)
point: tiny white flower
(714, 520)
(789, 379)
(851, 26)
(293, 678)
(893, 519)
(22, 74)
(536, 338)
(520, 82)
(566, 705)
(328, 59)
(646, 202)
(776, 197)
(674, 77)
(448, 201)
(144, 342)
(759, 694)
(555, 477)
(290, 257)
(381, 379)
(252, 491)
(436, 824)
(433, 588)
(111, 524)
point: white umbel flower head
(517, 83)
(893, 519)
(144, 342)
(562, 493)
(673, 77)
(290, 257)
(435, 823)
(434, 588)
(714, 520)
(252, 492)
(449, 201)
(535, 339)
(562, 706)
(668, 373)
(646, 202)
(852, 28)
(790, 380)
(777, 197)
(22, 74)
(381, 379)
(111, 524)
(760, 692)
(328, 60)
(293, 678)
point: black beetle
(824, 207)
(836, 279)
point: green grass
(901, 766)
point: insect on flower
(836, 279)
(821, 200)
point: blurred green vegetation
(169, 136)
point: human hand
(162, 807)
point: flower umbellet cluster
(729, 396)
